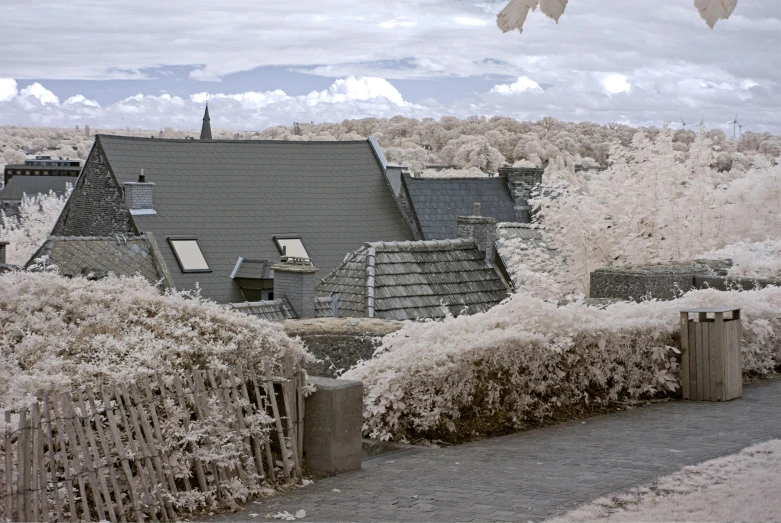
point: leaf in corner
(714, 10)
(553, 8)
(514, 15)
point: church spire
(206, 130)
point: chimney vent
(295, 280)
(139, 196)
(481, 230)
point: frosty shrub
(57, 333)
(527, 360)
(751, 260)
(27, 231)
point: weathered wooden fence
(151, 449)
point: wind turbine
(684, 123)
(740, 129)
(701, 127)
(734, 123)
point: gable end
(96, 206)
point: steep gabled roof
(271, 310)
(98, 256)
(414, 280)
(438, 202)
(235, 196)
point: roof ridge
(194, 141)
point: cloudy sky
(153, 64)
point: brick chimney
(482, 230)
(295, 280)
(3, 245)
(139, 196)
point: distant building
(19, 186)
(43, 166)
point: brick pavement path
(536, 474)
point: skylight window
(189, 254)
(291, 246)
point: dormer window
(291, 246)
(188, 254)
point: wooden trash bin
(710, 355)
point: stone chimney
(482, 230)
(3, 245)
(139, 196)
(295, 280)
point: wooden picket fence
(103, 455)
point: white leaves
(513, 16)
(714, 10)
(553, 8)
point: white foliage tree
(27, 231)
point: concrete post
(333, 421)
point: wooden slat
(199, 473)
(267, 436)
(72, 450)
(143, 464)
(96, 458)
(290, 414)
(74, 516)
(135, 500)
(169, 415)
(693, 359)
(717, 357)
(271, 394)
(86, 456)
(738, 355)
(52, 459)
(154, 467)
(41, 484)
(199, 393)
(300, 383)
(699, 357)
(705, 335)
(257, 443)
(104, 443)
(224, 399)
(23, 464)
(9, 469)
(227, 379)
(155, 433)
(685, 378)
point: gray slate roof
(256, 269)
(99, 256)
(234, 196)
(270, 310)
(438, 202)
(20, 185)
(415, 280)
(527, 233)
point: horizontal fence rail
(153, 449)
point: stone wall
(340, 342)
(95, 208)
(297, 284)
(482, 230)
(661, 282)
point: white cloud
(7, 89)
(80, 99)
(521, 85)
(616, 83)
(356, 89)
(38, 91)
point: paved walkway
(539, 473)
